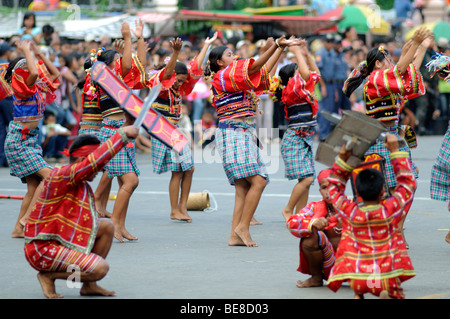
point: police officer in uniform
(341, 73)
(326, 60)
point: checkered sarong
(381, 150)
(165, 159)
(91, 130)
(125, 161)
(440, 172)
(239, 152)
(297, 153)
(24, 155)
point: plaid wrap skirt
(440, 172)
(297, 153)
(125, 161)
(381, 150)
(164, 159)
(238, 150)
(91, 130)
(23, 151)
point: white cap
(442, 42)
(89, 38)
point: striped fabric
(298, 92)
(91, 129)
(125, 161)
(380, 149)
(440, 172)
(51, 256)
(385, 87)
(371, 244)
(23, 151)
(239, 152)
(65, 210)
(297, 153)
(300, 225)
(300, 115)
(391, 285)
(235, 91)
(164, 159)
(169, 101)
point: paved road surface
(175, 260)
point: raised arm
(201, 56)
(126, 57)
(95, 161)
(272, 54)
(411, 47)
(141, 45)
(25, 47)
(423, 47)
(303, 68)
(309, 59)
(177, 44)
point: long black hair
(29, 15)
(215, 55)
(10, 68)
(107, 56)
(285, 73)
(375, 54)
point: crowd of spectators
(347, 48)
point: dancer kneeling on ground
(320, 232)
(63, 229)
(371, 248)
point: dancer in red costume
(372, 255)
(178, 81)
(319, 231)
(64, 232)
(32, 84)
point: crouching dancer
(64, 232)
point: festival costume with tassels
(91, 118)
(297, 144)
(440, 172)
(169, 104)
(63, 225)
(385, 93)
(371, 254)
(125, 161)
(235, 96)
(22, 148)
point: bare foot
(186, 215)
(287, 213)
(92, 289)
(311, 282)
(358, 296)
(244, 235)
(178, 215)
(118, 236)
(384, 295)
(127, 235)
(447, 238)
(48, 285)
(104, 214)
(235, 240)
(17, 231)
(255, 222)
